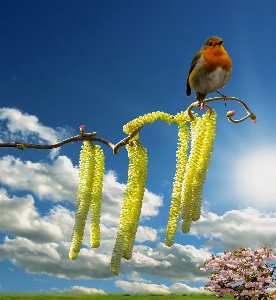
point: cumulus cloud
(145, 233)
(35, 235)
(135, 276)
(27, 128)
(19, 217)
(179, 287)
(150, 288)
(55, 182)
(173, 263)
(41, 243)
(52, 259)
(142, 287)
(246, 227)
(151, 204)
(77, 289)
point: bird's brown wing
(193, 64)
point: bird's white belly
(211, 82)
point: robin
(210, 69)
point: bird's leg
(223, 96)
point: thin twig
(124, 141)
(249, 112)
(77, 138)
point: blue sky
(102, 64)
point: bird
(210, 69)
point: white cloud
(23, 127)
(246, 227)
(178, 288)
(18, 122)
(41, 244)
(76, 289)
(58, 182)
(145, 233)
(254, 177)
(26, 249)
(150, 288)
(173, 263)
(151, 203)
(135, 276)
(32, 233)
(52, 259)
(142, 287)
(55, 182)
(19, 217)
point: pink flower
(20, 146)
(202, 270)
(244, 269)
(81, 127)
(253, 118)
(230, 113)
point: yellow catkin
(96, 195)
(131, 206)
(139, 184)
(117, 251)
(197, 135)
(186, 225)
(86, 174)
(209, 124)
(145, 119)
(181, 160)
(187, 187)
(202, 138)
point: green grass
(109, 296)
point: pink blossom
(242, 272)
(202, 270)
(81, 127)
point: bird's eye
(210, 43)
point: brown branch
(92, 136)
(125, 141)
(77, 138)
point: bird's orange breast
(215, 57)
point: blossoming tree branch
(243, 273)
(188, 183)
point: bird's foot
(200, 104)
